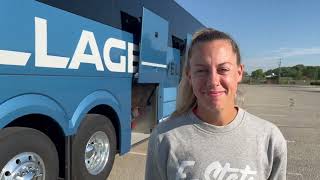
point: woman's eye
(200, 70)
(224, 70)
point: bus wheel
(94, 148)
(27, 153)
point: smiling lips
(215, 93)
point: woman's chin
(214, 106)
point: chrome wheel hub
(24, 166)
(97, 152)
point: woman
(208, 136)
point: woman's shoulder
(172, 124)
(256, 121)
(263, 126)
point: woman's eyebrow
(200, 65)
(225, 63)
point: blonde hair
(186, 99)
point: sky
(266, 30)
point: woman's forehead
(214, 46)
(213, 52)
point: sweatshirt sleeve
(153, 169)
(279, 157)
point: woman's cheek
(198, 86)
(230, 83)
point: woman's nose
(213, 79)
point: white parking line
(273, 115)
(268, 105)
(290, 126)
(137, 153)
(295, 174)
(288, 141)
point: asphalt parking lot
(294, 109)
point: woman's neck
(220, 117)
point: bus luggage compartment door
(153, 48)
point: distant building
(272, 79)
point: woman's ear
(240, 72)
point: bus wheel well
(112, 115)
(48, 126)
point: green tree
(257, 74)
(292, 72)
(297, 72)
(299, 67)
(298, 75)
(268, 72)
(311, 72)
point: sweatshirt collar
(218, 129)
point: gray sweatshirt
(248, 148)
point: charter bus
(81, 81)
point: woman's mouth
(215, 93)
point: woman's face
(214, 74)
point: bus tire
(89, 148)
(27, 152)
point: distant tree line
(297, 72)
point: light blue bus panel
(173, 72)
(153, 48)
(166, 102)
